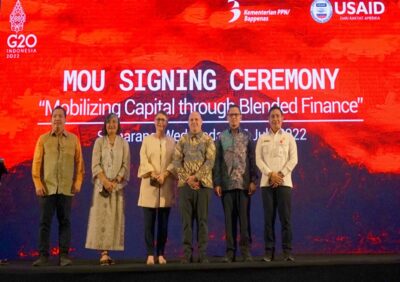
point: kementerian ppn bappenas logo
(19, 43)
(235, 10)
(321, 11)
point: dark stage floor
(305, 268)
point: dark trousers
(193, 205)
(249, 221)
(48, 205)
(277, 200)
(150, 216)
(235, 204)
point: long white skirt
(106, 227)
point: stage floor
(305, 268)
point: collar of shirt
(230, 130)
(195, 135)
(280, 131)
(52, 133)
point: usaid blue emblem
(321, 11)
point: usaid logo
(19, 43)
(359, 8)
(321, 11)
(235, 11)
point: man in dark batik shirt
(234, 177)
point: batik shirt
(234, 164)
(195, 155)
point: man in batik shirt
(194, 159)
(235, 178)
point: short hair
(195, 112)
(274, 107)
(234, 106)
(59, 108)
(162, 113)
(107, 120)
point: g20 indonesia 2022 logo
(19, 43)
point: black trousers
(277, 200)
(60, 204)
(150, 216)
(236, 207)
(193, 205)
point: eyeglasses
(161, 120)
(234, 115)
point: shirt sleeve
(206, 168)
(178, 161)
(96, 158)
(261, 164)
(252, 162)
(171, 167)
(292, 160)
(126, 162)
(37, 164)
(145, 165)
(218, 162)
(79, 165)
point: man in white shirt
(276, 157)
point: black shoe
(3, 261)
(41, 261)
(247, 258)
(203, 260)
(186, 260)
(229, 257)
(246, 255)
(203, 257)
(65, 260)
(288, 257)
(269, 255)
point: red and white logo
(19, 43)
(235, 11)
(255, 14)
(17, 18)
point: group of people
(199, 165)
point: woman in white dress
(110, 170)
(157, 187)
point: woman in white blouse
(157, 186)
(110, 169)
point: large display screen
(332, 67)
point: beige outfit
(106, 227)
(58, 163)
(156, 155)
